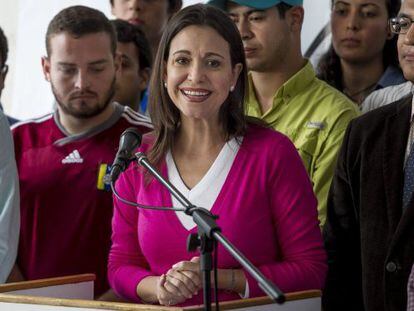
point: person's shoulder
(330, 96)
(263, 138)
(33, 133)
(33, 125)
(375, 119)
(386, 96)
(329, 104)
(133, 118)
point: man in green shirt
(283, 88)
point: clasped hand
(180, 283)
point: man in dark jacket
(369, 233)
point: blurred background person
(212, 153)
(9, 201)
(151, 16)
(64, 158)
(283, 89)
(4, 68)
(136, 61)
(363, 55)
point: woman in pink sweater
(248, 175)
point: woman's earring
(232, 88)
(165, 84)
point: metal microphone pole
(208, 230)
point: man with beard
(64, 158)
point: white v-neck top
(205, 193)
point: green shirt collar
(295, 85)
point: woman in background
(363, 55)
(250, 176)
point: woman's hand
(184, 278)
(180, 283)
(164, 296)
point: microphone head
(129, 141)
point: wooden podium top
(7, 295)
(9, 287)
(91, 304)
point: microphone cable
(156, 208)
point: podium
(75, 293)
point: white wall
(27, 94)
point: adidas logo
(73, 157)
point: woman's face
(359, 29)
(199, 74)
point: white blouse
(205, 193)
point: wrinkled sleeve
(343, 290)
(302, 264)
(127, 265)
(326, 161)
(9, 201)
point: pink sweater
(266, 209)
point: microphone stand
(208, 231)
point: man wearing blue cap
(283, 88)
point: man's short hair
(173, 5)
(283, 8)
(4, 48)
(129, 33)
(79, 21)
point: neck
(74, 125)
(198, 137)
(267, 83)
(359, 78)
(135, 105)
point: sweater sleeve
(302, 261)
(127, 265)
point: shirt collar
(295, 85)
(119, 109)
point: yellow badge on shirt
(104, 179)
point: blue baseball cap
(257, 4)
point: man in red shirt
(64, 158)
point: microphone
(129, 141)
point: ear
(144, 75)
(295, 17)
(46, 68)
(237, 69)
